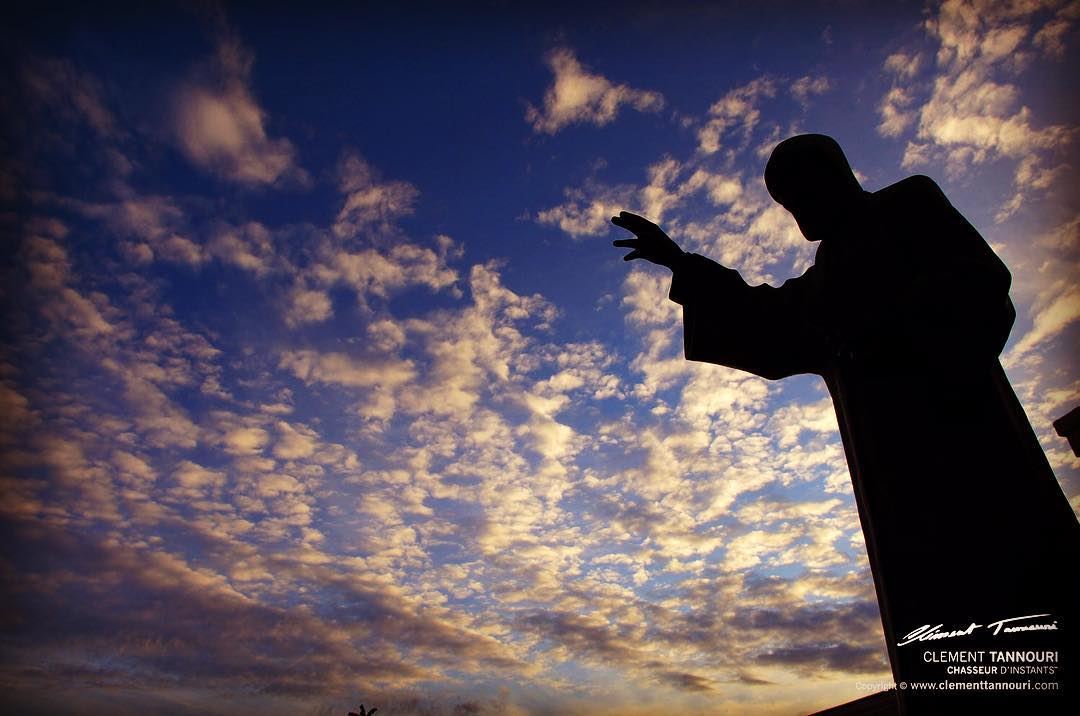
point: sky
(321, 383)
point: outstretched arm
(767, 331)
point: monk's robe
(964, 520)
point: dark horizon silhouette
(904, 314)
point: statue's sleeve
(959, 306)
(761, 329)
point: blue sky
(322, 383)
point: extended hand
(651, 244)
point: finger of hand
(627, 243)
(632, 255)
(628, 219)
(635, 223)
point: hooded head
(811, 177)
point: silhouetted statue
(904, 314)
(1068, 427)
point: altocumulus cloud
(968, 111)
(257, 464)
(580, 96)
(221, 128)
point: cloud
(903, 64)
(194, 611)
(814, 658)
(220, 126)
(248, 247)
(155, 226)
(245, 441)
(805, 87)
(671, 184)
(584, 215)
(454, 489)
(750, 549)
(369, 202)
(578, 96)
(159, 228)
(686, 681)
(133, 466)
(1051, 37)
(64, 307)
(200, 489)
(738, 110)
(645, 294)
(344, 370)
(160, 420)
(896, 114)
(15, 414)
(970, 113)
(191, 475)
(483, 411)
(304, 305)
(1051, 320)
(380, 273)
(75, 95)
(368, 274)
(295, 441)
(481, 346)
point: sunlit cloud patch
(321, 383)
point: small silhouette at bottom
(363, 712)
